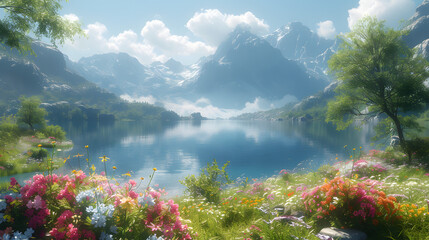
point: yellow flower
(360, 147)
(53, 142)
(351, 156)
(154, 169)
(86, 146)
(104, 158)
(354, 149)
(78, 155)
(114, 167)
(93, 167)
(65, 159)
(345, 146)
(142, 178)
(40, 145)
(127, 174)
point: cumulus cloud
(71, 17)
(155, 43)
(326, 29)
(97, 41)
(390, 10)
(158, 35)
(213, 26)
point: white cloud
(213, 26)
(156, 43)
(185, 107)
(158, 35)
(71, 17)
(98, 42)
(326, 29)
(142, 99)
(390, 10)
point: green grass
(249, 212)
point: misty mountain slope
(245, 67)
(298, 42)
(122, 74)
(418, 26)
(46, 75)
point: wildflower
(114, 168)
(104, 158)
(40, 145)
(127, 174)
(78, 155)
(142, 178)
(66, 158)
(93, 168)
(86, 146)
(53, 142)
(154, 169)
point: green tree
(9, 131)
(379, 75)
(40, 17)
(31, 114)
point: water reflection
(254, 148)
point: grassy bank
(375, 193)
(30, 154)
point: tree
(31, 114)
(39, 17)
(379, 75)
(8, 131)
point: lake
(255, 149)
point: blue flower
(146, 200)
(153, 237)
(100, 214)
(105, 236)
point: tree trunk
(401, 136)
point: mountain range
(287, 65)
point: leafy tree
(39, 17)
(31, 114)
(9, 131)
(379, 75)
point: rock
(343, 234)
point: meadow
(374, 192)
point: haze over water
(255, 149)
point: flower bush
(87, 207)
(350, 203)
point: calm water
(254, 148)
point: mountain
(122, 74)
(64, 92)
(298, 42)
(418, 26)
(245, 67)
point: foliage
(208, 184)
(9, 131)
(54, 131)
(419, 148)
(40, 17)
(31, 114)
(87, 207)
(379, 75)
(38, 153)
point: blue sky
(189, 29)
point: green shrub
(38, 153)
(40, 135)
(327, 171)
(55, 131)
(208, 184)
(419, 147)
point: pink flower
(13, 181)
(271, 197)
(427, 174)
(132, 183)
(133, 194)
